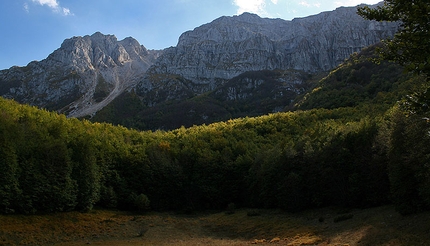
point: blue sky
(32, 29)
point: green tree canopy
(410, 46)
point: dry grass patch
(376, 226)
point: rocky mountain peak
(97, 51)
(80, 77)
(211, 54)
(232, 29)
(248, 17)
(88, 72)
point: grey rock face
(80, 77)
(263, 91)
(87, 73)
(229, 46)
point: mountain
(213, 53)
(87, 73)
(81, 77)
(251, 93)
(357, 83)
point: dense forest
(350, 142)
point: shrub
(142, 203)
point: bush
(142, 203)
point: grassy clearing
(376, 226)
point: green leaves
(410, 46)
(293, 161)
(409, 156)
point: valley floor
(329, 226)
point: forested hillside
(346, 156)
(356, 82)
(347, 143)
(361, 80)
(253, 93)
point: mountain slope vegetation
(336, 156)
(356, 82)
(346, 144)
(246, 161)
(250, 94)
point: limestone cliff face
(229, 46)
(87, 73)
(262, 92)
(80, 77)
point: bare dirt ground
(329, 226)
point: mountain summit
(229, 46)
(87, 73)
(80, 77)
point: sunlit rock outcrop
(228, 46)
(80, 77)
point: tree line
(293, 161)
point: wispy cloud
(309, 5)
(26, 7)
(52, 4)
(253, 6)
